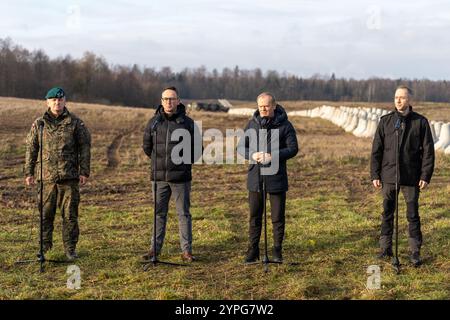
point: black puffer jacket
(416, 149)
(160, 150)
(288, 148)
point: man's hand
(262, 157)
(266, 158)
(29, 181)
(423, 184)
(255, 156)
(377, 183)
(83, 180)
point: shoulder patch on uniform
(33, 125)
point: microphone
(398, 123)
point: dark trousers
(278, 206)
(411, 195)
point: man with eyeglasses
(171, 176)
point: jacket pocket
(68, 165)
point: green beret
(55, 93)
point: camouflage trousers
(65, 196)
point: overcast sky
(351, 38)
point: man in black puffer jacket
(173, 176)
(416, 165)
(268, 151)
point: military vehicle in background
(222, 105)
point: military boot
(71, 254)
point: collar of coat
(279, 117)
(178, 116)
(64, 117)
(402, 116)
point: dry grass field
(332, 218)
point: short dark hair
(171, 88)
(405, 87)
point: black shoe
(252, 255)
(385, 253)
(276, 255)
(71, 254)
(415, 259)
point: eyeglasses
(169, 99)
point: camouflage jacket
(66, 152)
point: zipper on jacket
(167, 148)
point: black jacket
(160, 150)
(288, 148)
(416, 149)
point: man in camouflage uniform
(66, 164)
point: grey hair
(267, 94)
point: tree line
(29, 74)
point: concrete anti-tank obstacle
(444, 138)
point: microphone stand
(154, 259)
(41, 257)
(266, 261)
